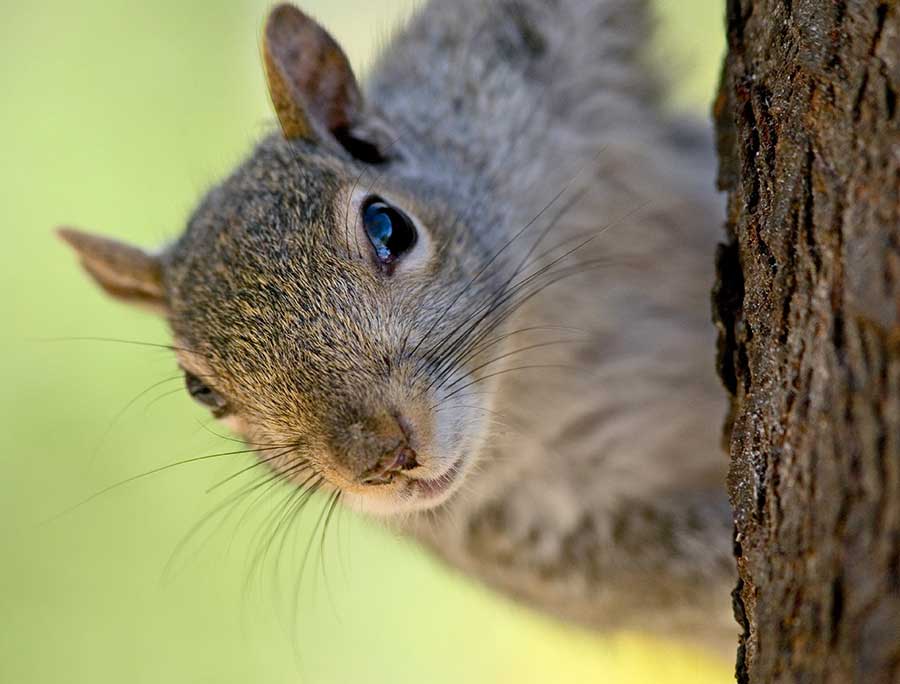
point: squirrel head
(335, 298)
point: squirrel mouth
(436, 487)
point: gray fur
(603, 501)
(595, 483)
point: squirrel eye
(205, 395)
(390, 231)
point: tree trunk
(808, 309)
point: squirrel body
(527, 387)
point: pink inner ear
(310, 80)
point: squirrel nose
(403, 457)
(374, 449)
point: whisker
(330, 504)
(140, 476)
(451, 356)
(448, 346)
(278, 522)
(488, 264)
(227, 506)
(256, 464)
(295, 602)
(447, 352)
(294, 500)
(270, 481)
(501, 315)
(121, 412)
(244, 441)
(153, 402)
(520, 350)
(503, 372)
(153, 345)
(477, 346)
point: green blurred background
(116, 116)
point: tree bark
(808, 309)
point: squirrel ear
(125, 272)
(312, 85)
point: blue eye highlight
(390, 231)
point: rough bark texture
(808, 308)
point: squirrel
(471, 297)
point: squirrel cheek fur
(530, 392)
